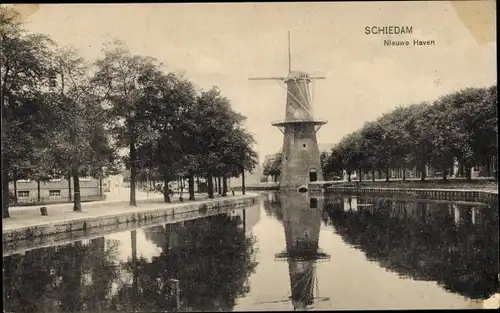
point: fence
(53, 200)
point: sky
(216, 44)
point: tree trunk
(445, 174)
(488, 167)
(210, 181)
(39, 196)
(135, 270)
(133, 172)
(181, 189)
(77, 203)
(166, 191)
(15, 189)
(4, 161)
(461, 171)
(224, 186)
(219, 189)
(348, 176)
(198, 183)
(191, 187)
(243, 181)
(373, 175)
(5, 185)
(423, 172)
(360, 175)
(387, 174)
(404, 174)
(70, 195)
(468, 173)
(100, 187)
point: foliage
(273, 166)
(26, 72)
(461, 126)
(64, 116)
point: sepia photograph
(265, 156)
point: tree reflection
(272, 205)
(212, 259)
(66, 278)
(425, 241)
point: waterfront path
(22, 217)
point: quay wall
(417, 193)
(258, 187)
(82, 227)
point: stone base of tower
(300, 159)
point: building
(56, 190)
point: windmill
(300, 159)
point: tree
(167, 98)
(216, 121)
(420, 140)
(273, 167)
(26, 70)
(79, 142)
(334, 164)
(238, 156)
(122, 79)
(459, 126)
(471, 114)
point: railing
(53, 200)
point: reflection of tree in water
(156, 235)
(67, 278)
(272, 205)
(212, 259)
(423, 242)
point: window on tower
(304, 145)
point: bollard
(43, 211)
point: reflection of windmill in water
(302, 221)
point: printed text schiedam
(397, 30)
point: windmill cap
(297, 75)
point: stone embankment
(260, 187)
(73, 227)
(417, 193)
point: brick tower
(300, 160)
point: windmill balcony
(284, 122)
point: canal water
(289, 251)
